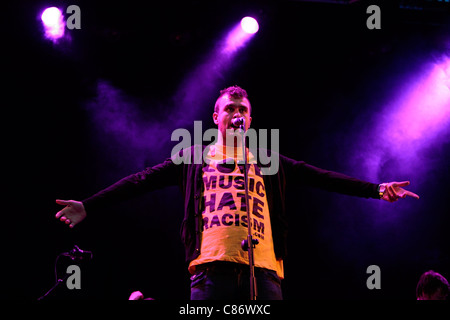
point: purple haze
(418, 118)
(124, 124)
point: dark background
(313, 70)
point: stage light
(249, 25)
(52, 19)
(239, 35)
(424, 111)
(51, 16)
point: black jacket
(189, 176)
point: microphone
(237, 122)
(78, 255)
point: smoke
(405, 133)
(406, 137)
(135, 133)
(125, 128)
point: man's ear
(216, 118)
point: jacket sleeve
(328, 180)
(164, 174)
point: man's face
(230, 108)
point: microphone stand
(76, 255)
(249, 243)
(57, 283)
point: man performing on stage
(215, 213)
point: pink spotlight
(249, 25)
(240, 34)
(51, 16)
(52, 19)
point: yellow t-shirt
(225, 213)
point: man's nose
(237, 114)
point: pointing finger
(63, 202)
(412, 194)
(401, 184)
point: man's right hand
(72, 214)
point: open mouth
(237, 122)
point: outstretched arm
(392, 191)
(337, 182)
(152, 178)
